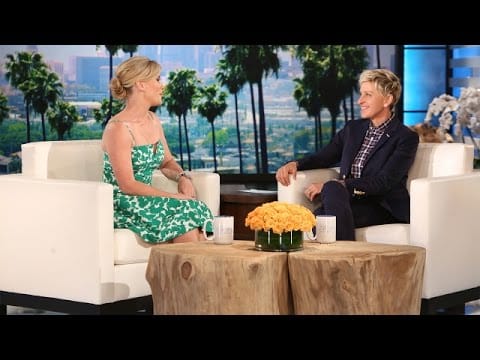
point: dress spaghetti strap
(131, 133)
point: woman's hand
(186, 188)
(313, 190)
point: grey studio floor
(471, 308)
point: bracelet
(179, 175)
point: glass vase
(286, 241)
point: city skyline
(52, 52)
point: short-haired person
(374, 153)
(134, 146)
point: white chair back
(72, 160)
(441, 159)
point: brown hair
(136, 68)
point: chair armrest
(56, 238)
(444, 213)
(294, 192)
(206, 184)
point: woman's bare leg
(191, 236)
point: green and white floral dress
(154, 219)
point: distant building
(4, 164)
(11, 164)
(85, 108)
(89, 71)
(58, 68)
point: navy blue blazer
(384, 175)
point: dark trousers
(351, 212)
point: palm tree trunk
(110, 91)
(187, 142)
(214, 147)
(255, 135)
(345, 111)
(44, 134)
(263, 131)
(315, 123)
(27, 109)
(377, 50)
(180, 139)
(352, 112)
(238, 134)
(334, 125)
(320, 131)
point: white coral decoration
(468, 113)
(467, 108)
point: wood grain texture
(204, 278)
(349, 277)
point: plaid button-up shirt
(371, 139)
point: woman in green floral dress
(134, 146)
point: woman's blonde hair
(385, 81)
(136, 68)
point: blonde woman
(134, 146)
(374, 154)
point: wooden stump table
(205, 278)
(349, 277)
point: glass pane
(412, 118)
(424, 77)
(423, 46)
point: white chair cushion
(394, 234)
(129, 247)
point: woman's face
(373, 105)
(154, 91)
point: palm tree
(101, 113)
(178, 99)
(235, 55)
(212, 104)
(307, 89)
(233, 78)
(44, 89)
(258, 61)
(112, 51)
(356, 60)
(61, 117)
(19, 70)
(4, 110)
(307, 96)
(338, 68)
(129, 49)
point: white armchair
(444, 215)
(58, 248)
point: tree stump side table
(205, 278)
(348, 277)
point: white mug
(326, 229)
(222, 229)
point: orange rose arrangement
(280, 217)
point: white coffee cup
(326, 229)
(222, 229)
